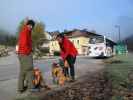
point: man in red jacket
(68, 53)
(25, 56)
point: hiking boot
(20, 91)
(72, 79)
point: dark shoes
(72, 79)
(21, 91)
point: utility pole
(119, 31)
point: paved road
(9, 69)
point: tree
(7, 38)
(10, 40)
(38, 34)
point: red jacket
(67, 48)
(25, 41)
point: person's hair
(60, 36)
(60, 44)
(31, 22)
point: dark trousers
(71, 61)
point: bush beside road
(3, 51)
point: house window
(77, 41)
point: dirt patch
(89, 87)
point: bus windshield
(95, 40)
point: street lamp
(119, 31)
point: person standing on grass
(25, 57)
(68, 53)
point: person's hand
(26, 20)
(17, 48)
(66, 64)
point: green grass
(28, 98)
(118, 69)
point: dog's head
(37, 71)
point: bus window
(97, 39)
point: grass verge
(119, 70)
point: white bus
(99, 46)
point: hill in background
(129, 42)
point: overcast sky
(99, 15)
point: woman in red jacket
(68, 53)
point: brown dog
(58, 75)
(38, 79)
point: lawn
(120, 71)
